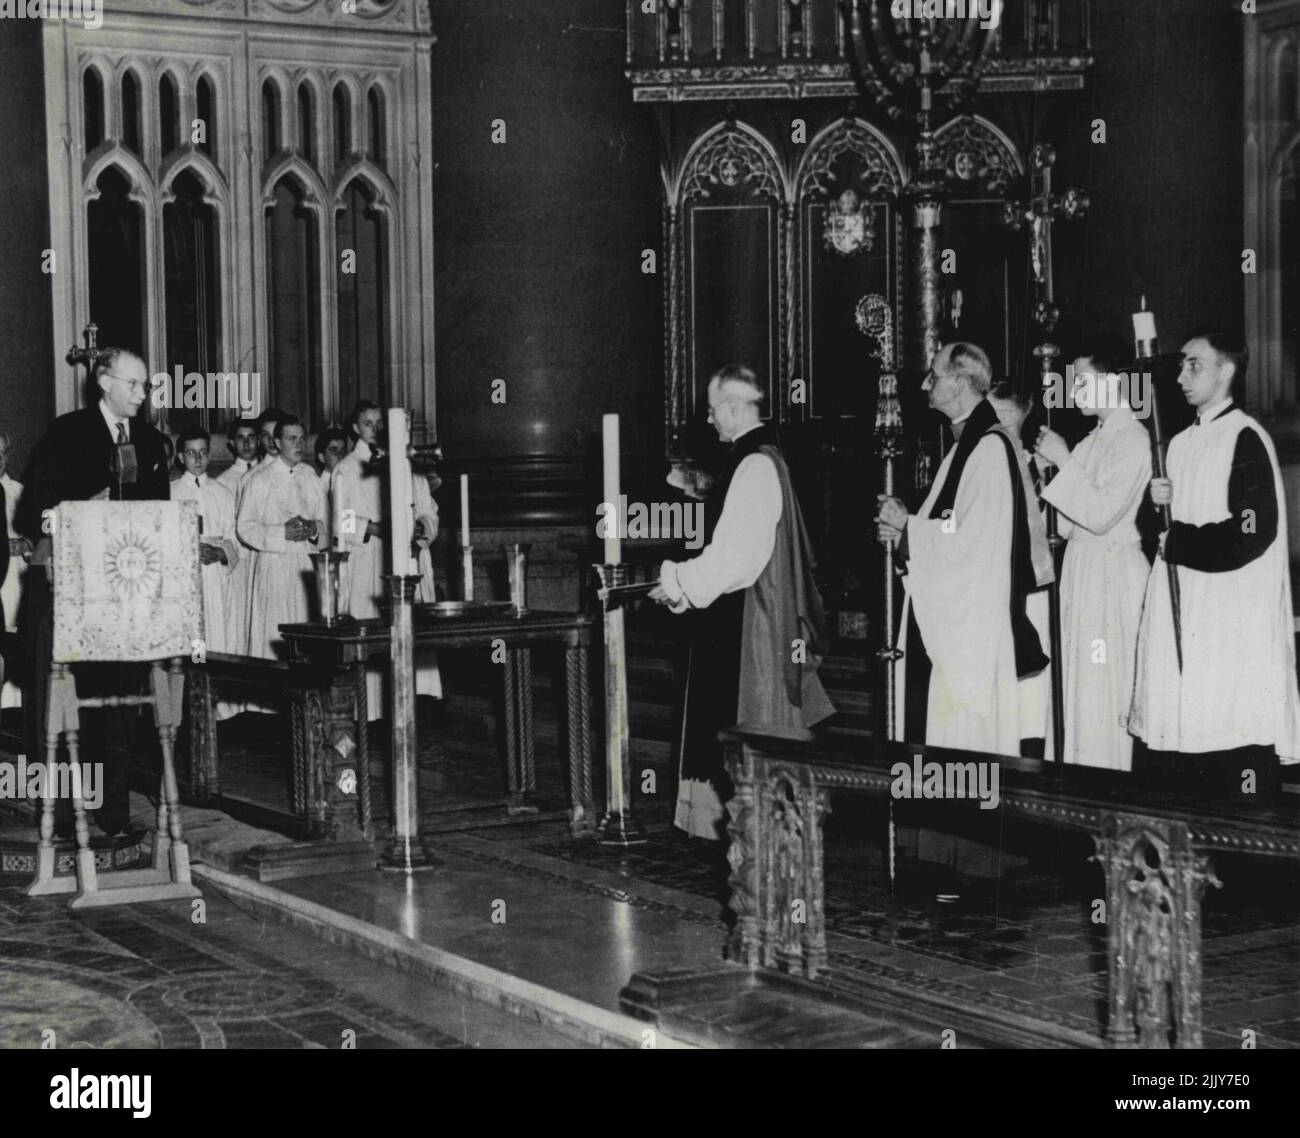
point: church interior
(530, 233)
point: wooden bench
(1156, 854)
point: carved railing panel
(777, 879)
(1155, 881)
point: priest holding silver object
(761, 640)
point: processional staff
(1145, 349)
(875, 320)
(1039, 213)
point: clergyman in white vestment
(241, 438)
(959, 569)
(1236, 694)
(219, 551)
(282, 516)
(1098, 492)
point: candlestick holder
(517, 572)
(467, 571)
(405, 850)
(333, 585)
(618, 826)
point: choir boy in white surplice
(241, 438)
(282, 516)
(1234, 705)
(218, 549)
(973, 552)
(359, 490)
(1098, 492)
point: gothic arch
(365, 171)
(975, 151)
(314, 194)
(883, 170)
(729, 154)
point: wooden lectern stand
(126, 590)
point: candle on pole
(464, 510)
(466, 548)
(1144, 332)
(400, 493)
(609, 435)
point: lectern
(126, 590)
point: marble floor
(522, 896)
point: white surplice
(234, 478)
(958, 584)
(359, 498)
(1237, 686)
(1098, 493)
(217, 509)
(283, 578)
(11, 589)
(742, 541)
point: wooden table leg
(330, 763)
(204, 781)
(582, 816)
(527, 757)
(513, 797)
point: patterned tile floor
(1026, 944)
(148, 976)
(1027, 940)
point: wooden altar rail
(1155, 852)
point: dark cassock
(754, 582)
(92, 453)
(1236, 690)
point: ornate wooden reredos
(212, 163)
(1272, 202)
(784, 201)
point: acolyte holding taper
(1233, 705)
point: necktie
(197, 484)
(121, 432)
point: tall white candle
(1144, 330)
(609, 434)
(400, 494)
(464, 511)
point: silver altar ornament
(848, 224)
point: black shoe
(112, 824)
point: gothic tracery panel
(729, 247)
(169, 92)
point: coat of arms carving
(848, 224)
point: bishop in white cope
(282, 516)
(1098, 492)
(1228, 540)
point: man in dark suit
(102, 451)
